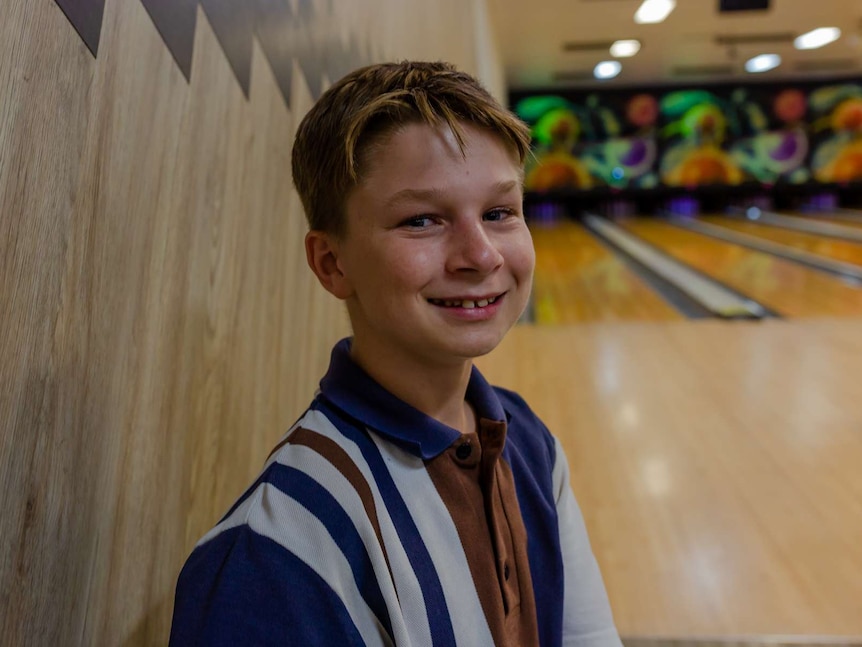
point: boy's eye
(497, 214)
(418, 222)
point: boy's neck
(437, 390)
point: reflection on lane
(851, 220)
(579, 280)
(788, 288)
(839, 250)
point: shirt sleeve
(243, 589)
(587, 618)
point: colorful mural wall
(731, 136)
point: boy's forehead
(406, 140)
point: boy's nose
(474, 250)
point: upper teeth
(466, 303)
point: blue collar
(353, 391)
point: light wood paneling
(158, 328)
(716, 464)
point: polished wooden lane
(839, 250)
(849, 218)
(788, 288)
(716, 464)
(578, 279)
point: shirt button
(463, 451)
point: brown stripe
(523, 630)
(510, 538)
(457, 482)
(335, 454)
(280, 444)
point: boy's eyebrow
(505, 186)
(406, 195)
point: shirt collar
(353, 391)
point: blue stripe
(530, 452)
(242, 588)
(538, 512)
(439, 622)
(320, 502)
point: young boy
(412, 504)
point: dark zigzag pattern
(307, 36)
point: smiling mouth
(465, 303)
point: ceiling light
(817, 38)
(654, 11)
(762, 63)
(625, 48)
(607, 69)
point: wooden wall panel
(158, 327)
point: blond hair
(334, 138)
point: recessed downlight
(817, 38)
(653, 11)
(762, 63)
(607, 69)
(625, 48)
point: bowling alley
(673, 287)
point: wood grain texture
(787, 288)
(159, 329)
(716, 464)
(846, 251)
(578, 279)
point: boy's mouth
(466, 303)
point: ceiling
(557, 43)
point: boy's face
(437, 261)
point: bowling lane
(851, 220)
(839, 250)
(580, 280)
(781, 285)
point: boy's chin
(478, 347)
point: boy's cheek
(522, 254)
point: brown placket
(479, 492)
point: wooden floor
(718, 466)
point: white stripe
(327, 475)
(285, 521)
(236, 518)
(442, 541)
(411, 616)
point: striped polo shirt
(375, 524)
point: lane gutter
(694, 294)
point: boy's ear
(321, 252)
